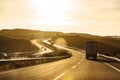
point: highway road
(74, 68)
(42, 49)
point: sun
(52, 10)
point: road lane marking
(80, 60)
(74, 66)
(59, 76)
(112, 67)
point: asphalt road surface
(74, 68)
(42, 49)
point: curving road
(74, 68)
(41, 48)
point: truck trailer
(91, 50)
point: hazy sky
(98, 17)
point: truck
(91, 50)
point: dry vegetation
(107, 46)
(10, 45)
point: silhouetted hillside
(27, 34)
(108, 46)
(9, 45)
(114, 37)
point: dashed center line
(78, 62)
(74, 66)
(59, 76)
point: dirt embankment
(9, 45)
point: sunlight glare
(57, 10)
(53, 8)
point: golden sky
(98, 17)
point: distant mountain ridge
(109, 45)
(27, 34)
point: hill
(9, 45)
(27, 34)
(108, 45)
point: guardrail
(13, 64)
(18, 63)
(110, 57)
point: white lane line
(112, 67)
(80, 60)
(59, 76)
(74, 66)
